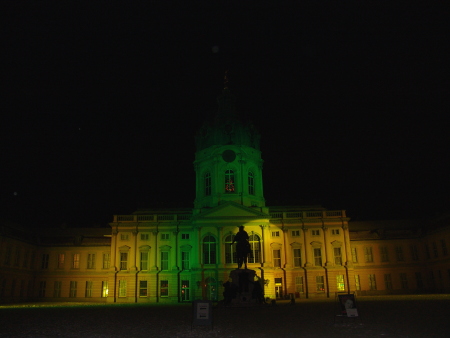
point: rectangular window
(164, 288)
(105, 289)
(42, 286)
(403, 280)
(419, 280)
(299, 284)
(388, 281)
(444, 247)
(295, 233)
(427, 251)
(251, 183)
(335, 231)
(275, 234)
(25, 259)
(318, 257)
(208, 184)
(91, 261)
(315, 232)
(277, 258)
(73, 289)
(185, 291)
(340, 282)
(435, 250)
(185, 260)
(45, 258)
(76, 261)
(414, 252)
(354, 255)
(61, 259)
(88, 292)
(106, 260)
(337, 256)
(144, 260)
(368, 254)
(143, 288)
(297, 258)
(144, 237)
(123, 260)
(8, 256)
(357, 283)
(184, 236)
(124, 237)
(17, 257)
(399, 253)
(165, 237)
(57, 289)
(122, 288)
(384, 254)
(372, 282)
(164, 260)
(320, 285)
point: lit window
(230, 250)
(357, 283)
(229, 181)
(143, 288)
(185, 291)
(315, 232)
(354, 255)
(209, 250)
(335, 231)
(299, 284)
(340, 282)
(275, 234)
(295, 233)
(76, 261)
(372, 282)
(105, 289)
(320, 284)
(251, 183)
(164, 288)
(208, 184)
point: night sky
(100, 104)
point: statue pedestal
(244, 289)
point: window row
(90, 260)
(229, 184)
(73, 289)
(165, 236)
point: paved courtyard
(380, 316)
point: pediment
(231, 210)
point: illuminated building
(178, 255)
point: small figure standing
(242, 247)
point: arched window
(209, 250)
(229, 181)
(251, 183)
(208, 184)
(230, 250)
(255, 247)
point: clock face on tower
(229, 155)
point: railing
(309, 214)
(152, 218)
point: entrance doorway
(278, 288)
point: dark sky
(100, 104)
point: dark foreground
(387, 316)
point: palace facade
(179, 255)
